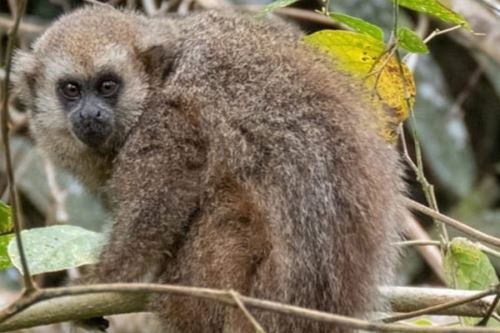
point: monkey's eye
(108, 88)
(70, 91)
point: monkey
(230, 154)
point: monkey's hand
(93, 324)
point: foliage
(437, 9)
(56, 248)
(372, 62)
(466, 267)
(5, 234)
(369, 61)
(5, 218)
(410, 41)
(5, 261)
(359, 25)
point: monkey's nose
(94, 121)
(92, 114)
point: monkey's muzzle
(92, 125)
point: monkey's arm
(155, 191)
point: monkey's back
(294, 196)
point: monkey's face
(89, 105)
(83, 83)
(87, 100)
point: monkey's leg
(222, 250)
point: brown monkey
(230, 155)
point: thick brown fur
(243, 160)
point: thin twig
(487, 250)
(236, 296)
(411, 58)
(427, 187)
(426, 242)
(406, 153)
(16, 217)
(474, 233)
(438, 32)
(98, 3)
(418, 243)
(421, 178)
(491, 310)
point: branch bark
(73, 307)
(411, 300)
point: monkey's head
(85, 82)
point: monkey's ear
(24, 69)
(159, 61)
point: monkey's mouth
(93, 132)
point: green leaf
(5, 218)
(273, 6)
(410, 41)
(437, 9)
(56, 248)
(4, 257)
(359, 25)
(467, 266)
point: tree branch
(445, 306)
(75, 307)
(72, 303)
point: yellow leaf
(368, 60)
